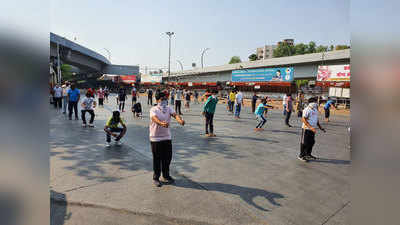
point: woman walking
(160, 138)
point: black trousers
(209, 122)
(91, 112)
(121, 105)
(307, 142)
(150, 100)
(162, 156)
(58, 102)
(114, 130)
(178, 106)
(288, 114)
(73, 106)
(101, 100)
(253, 107)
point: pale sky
(134, 31)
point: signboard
(263, 75)
(334, 73)
(128, 79)
(346, 93)
(154, 78)
(190, 84)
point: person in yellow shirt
(231, 100)
(111, 128)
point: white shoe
(83, 125)
(118, 143)
(108, 144)
(91, 125)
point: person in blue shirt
(327, 107)
(260, 114)
(73, 98)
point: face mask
(213, 96)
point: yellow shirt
(232, 96)
(110, 123)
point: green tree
(300, 49)
(331, 48)
(341, 47)
(311, 47)
(284, 49)
(235, 59)
(253, 57)
(66, 72)
(322, 48)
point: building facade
(266, 52)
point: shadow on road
(245, 193)
(58, 208)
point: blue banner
(284, 74)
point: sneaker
(91, 125)
(207, 135)
(118, 143)
(302, 159)
(213, 135)
(108, 144)
(157, 183)
(168, 180)
(312, 157)
(83, 124)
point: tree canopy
(286, 49)
(253, 57)
(235, 59)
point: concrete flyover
(86, 60)
(305, 67)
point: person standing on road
(300, 104)
(150, 97)
(88, 104)
(160, 138)
(196, 97)
(100, 94)
(259, 112)
(172, 94)
(178, 101)
(208, 112)
(134, 96)
(284, 104)
(111, 128)
(121, 98)
(73, 96)
(289, 108)
(327, 107)
(231, 101)
(238, 104)
(91, 92)
(187, 100)
(310, 123)
(106, 93)
(253, 102)
(65, 88)
(58, 95)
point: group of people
(162, 112)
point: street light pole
(169, 52)
(202, 56)
(109, 54)
(180, 63)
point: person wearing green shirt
(208, 112)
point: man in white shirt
(65, 88)
(284, 104)
(58, 93)
(88, 104)
(238, 104)
(310, 123)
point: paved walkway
(239, 177)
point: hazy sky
(134, 31)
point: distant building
(266, 52)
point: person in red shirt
(91, 92)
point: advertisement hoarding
(145, 78)
(284, 74)
(334, 73)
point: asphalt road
(239, 177)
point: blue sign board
(283, 74)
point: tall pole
(202, 56)
(180, 63)
(169, 52)
(58, 65)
